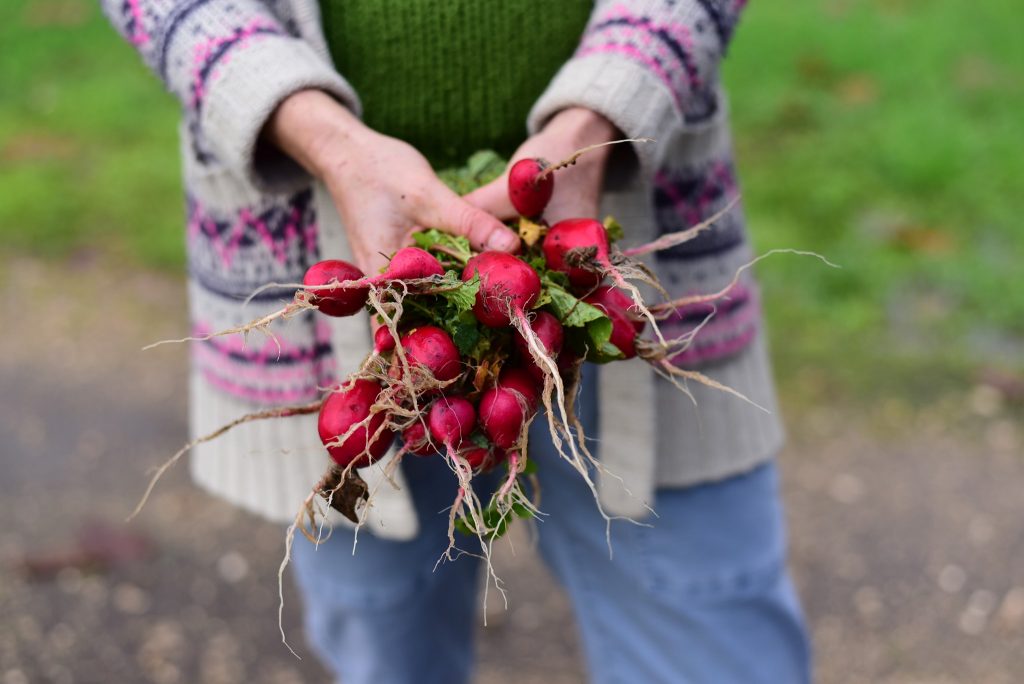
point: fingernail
(502, 240)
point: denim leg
(699, 596)
(384, 614)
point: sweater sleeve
(649, 66)
(229, 63)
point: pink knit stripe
(724, 334)
(717, 186)
(139, 36)
(263, 373)
(261, 395)
(739, 295)
(206, 51)
(718, 324)
(679, 31)
(649, 32)
(635, 54)
(268, 352)
(276, 246)
(277, 238)
(667, 46)
(700, 353)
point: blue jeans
(701, 596)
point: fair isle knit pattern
(685, 197)
(670, 50)
(649, 66)
(230, 257)
(214, 30)
(684, 57)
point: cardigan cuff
(247, 90)
(624, 92)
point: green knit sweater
(454, 76)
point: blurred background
(885, 134)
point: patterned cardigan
(253, 216)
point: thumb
(493, 198)
(458, 217)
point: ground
(884, 134)
(905, 521)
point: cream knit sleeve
(649, 66)
(229, 63)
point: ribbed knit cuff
(248, 89)
(624, 92)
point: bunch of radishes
(469, 346)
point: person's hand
(578, 187)
(383, 188)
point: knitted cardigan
(254, 216)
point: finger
(577, 194)
(456, 216)
(570, 209)
(493, 198)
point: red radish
(340, 412)
(451, 420)
(502, 416)
(521, 381)
(432, 348)
(528, 190)
(498, 455)
(508, 286)
(336, 301)
(576, 234)
(484, 459)
(616, 306)
(383, 340)
(410, 263)
(476, 456)
(417, 440)
(549, 332)
(609, 298)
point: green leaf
(613, 228)
(556, 277)
(571, 312)
(480, 169)
(485, 166)
(593, 340)
(431, 238)
(599, 347)
(543, 300)
(465, 332)
(539, 264)
(522, 511)
(460, 294)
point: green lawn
(88, 139)
(886, 135)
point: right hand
(383, 188)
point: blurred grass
(884, 134)
(887, 136)
(88, 139)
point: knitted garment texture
(651, 67)
(452, 77)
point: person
(309, 130)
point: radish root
(574, 157)
(280, 412)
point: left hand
(577, 188)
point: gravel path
(906, 523)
